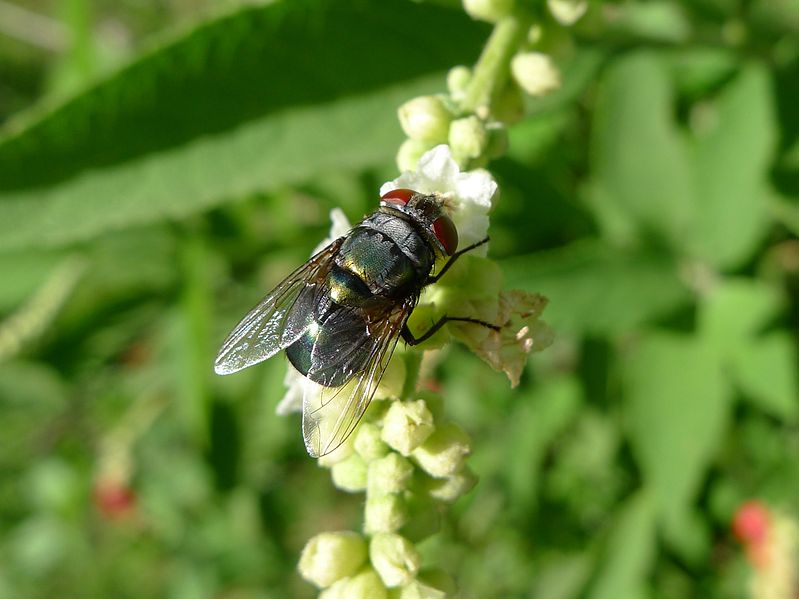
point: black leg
(451, 261)
(410, 339)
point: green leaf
(678, 403)
(732, 162)
(765, 370)
(596, 289)
(262, 97)
(532, 428)
(630, 551)
(640, 162)
(735, 310)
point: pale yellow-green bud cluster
(490, 11)
(410, 467)
(472, 117)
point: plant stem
(493, 66)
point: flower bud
(406, 425)
(425, 119)
(567, 12)
(350, 474)
(395, 559)
(384, 513)
(419, 590)
(331, 556)
(453, 487)
(408, 155)
(488, 10)
(535, 73)
(467, 137)
(341, 453)
(392, 382)
(368, 443)
(365, 585)
(390, 474)
(337, 591)
(444, 452)
(458, 80)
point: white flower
(468, 195)
(295, 388)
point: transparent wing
(330, 414)
(281, 317)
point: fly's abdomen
(335, 347)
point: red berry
(115, 500)
(750, 523)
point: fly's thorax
(388, 255)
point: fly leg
(451, 261)
(410, 339)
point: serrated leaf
(678, 403)
(732, 161)
(597, 289)
(265, 96)
(630, 551)
(640, 162)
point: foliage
(654, 199)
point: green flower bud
(488, 10)
(451, 488)
(567, 12)
(390, 474)
(409, 154)
(350, 474)
(337, 591)
(419, 590)
(395, 559)
(393, 380)
(331, 556)
(406, 425)
(384, 513)
(365, 585)
(467, 137)
(458, 80)
(425, 119)
(341, 453)
(368, 443)
(444, 452)
(535, 73)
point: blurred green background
(164, 163)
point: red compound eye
(446, 233)
(398, 196)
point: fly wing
(281, 317)
(330, 413)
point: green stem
(493, 67)
(413, 366)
